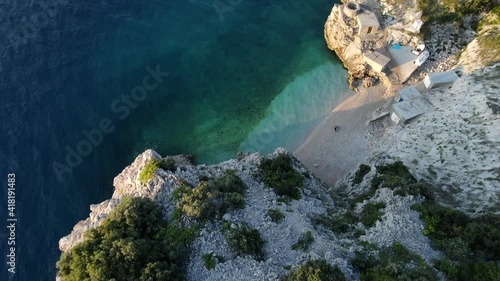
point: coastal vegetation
(453, 10)
(391, 264)
(345, 222)
(339, 223)
(470, 14)
(275, 215)
(134, 242)
(471, 245)
(305, 240)
(489, 43)
(210, 260)
(152, 165)
(371, 214)
(198, 202)
(361, 173)
(278, 173)
(396, 176)
(213, 198)
(315, 270)
(245, 240)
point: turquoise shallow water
(298, 108)
(256, 78)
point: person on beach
(335, 129)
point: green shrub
(275, 215)
(452, 10)
(358, 199)
(228, 183)
(246, 241)
(279, 174)
(198, 203)
(315, 270)
(441, 222)
(396, 169)
(149, 170)
(455, 248)
(204, 178)
(483, 236)
(230, 189)
(371, 214)
(232, 200)
(361, 173)
(396, 263)
(152, 165)
(471, 271)
(305, 240)
(213, 198)
(396, 176)
(454, 233)
(489, 43)
(168, 164)
(133, 243)
(337, 224)
(392, 176)
(179, 191)
(364, 260)
(210, 260)
(416, 189)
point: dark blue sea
(85, 86)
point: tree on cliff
(133, 243)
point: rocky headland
(452, 151)
(341, 35)
(398, 224)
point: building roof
(412, 108)
(442, 77)
(376, 58)
(408, 93)
(367, 19)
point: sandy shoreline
(331, 155)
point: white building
(437, 79)
(407, 93)
(406, 110)
(367, 23)
(376, 60)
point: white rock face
(126, 184)
(457, 145)
(474, 57)
(398, 224)
(98, 213)
(341, 36)
(279, 236)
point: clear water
(261, 70)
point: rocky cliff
(398, 223)
(341, 35)
(455, 146)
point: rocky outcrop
(98, 213)
(399, 223)
(455, 147)
(479, 53)
(127, 184)
(341, 35)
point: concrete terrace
(402, 61)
